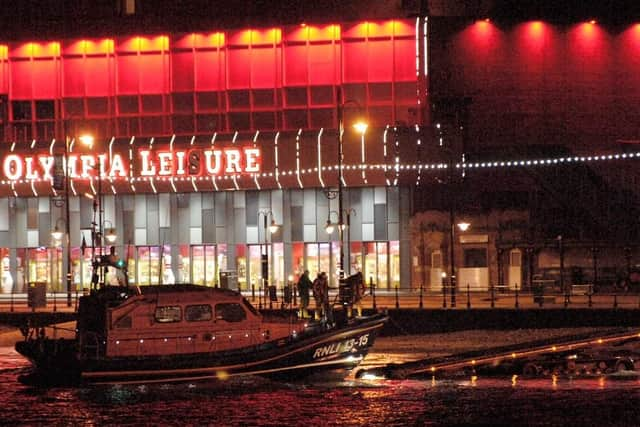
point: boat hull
(317, 351)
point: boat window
(230, 312)
(123, 323)
(168, 314)
(198, 313)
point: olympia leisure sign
(144, 163)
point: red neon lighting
(158, 163)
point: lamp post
(57, 234)
(330, 227)
(361, 127)
(463, 226)
(264, 249)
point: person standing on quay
(304, 285)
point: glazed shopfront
(203, 210)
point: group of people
(320, 290)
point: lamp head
(329, 227)
(273, 228)
(56, 233)
(361, 127)
(110, 235)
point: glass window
(205, 265)
(475, 257)
(123, 323)
(168, 314)
(394, 262)
(230, 312)
(241, 266)
(184, 264)
(198, 313)
(383, 265)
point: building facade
(202, 142)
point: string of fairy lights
(392, 167)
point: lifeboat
(169, 333)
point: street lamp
(61, 180)
(462, 226)
(361, 127)
(57, 233)
(110, 232)
(272, 227)
(330, 227)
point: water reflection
(508, 400)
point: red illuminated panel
(153, 73)
(182, 72)
(359, 30)
(264, 63)
(21, 77)
(127, 78)
(355, 68)
(380, 61)
(239, 38)
(324, 64)
(238, 71)
(214, 40)
(404, 61)
(97, 76)
(266, 37)
(45, 79)
(143, 44)
(295, 72)
(4, 68)
(209, 70)
(73, 75)
(89, 47)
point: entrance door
(515, 269)
(435, 275)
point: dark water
(596, 401)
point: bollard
(566, 298)
(397, 299)
(372, 289)
(55, 307)
(493, 296)
(268, 295)
(589, 295)
(615, 300)
(75, 308)
(12, 300)
(420, 304)
(444, 296)
(259, 299)
(468, 296)
(517, 300)
(541, 296)
(253, 292)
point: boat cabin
(175, 319)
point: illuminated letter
(12, 167)
(180, 162)
(117, 166)
(213, 169)
(164, 163)
(47, 164)
(29, 172)
(252, 156)
(146, 166)
(88, 163)
(232, 157)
